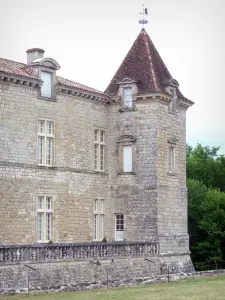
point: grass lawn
(207, 288)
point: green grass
(207, 288)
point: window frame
(171, 156)
(131, 95)
(98, 217)
(99, 145)
(115, 227)
(43, 95)
(46, 136)
(44, 211)
(123, 141)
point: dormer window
(127, 91)
(46, 88)
(127, 96)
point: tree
(206, 203)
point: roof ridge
(14, 61)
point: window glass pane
(127, 158)
(95, 226)
(102, 154)
(48, 226)
(39, 225)
(127, 96)
(49, 127)
(41, 125)
(49, 151)
(40, 149)
(96, 135)
(96, 157)
(48, 202)
(46, 87)
(40, 202)
(102, 136)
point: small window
(98, 219)
(127, 96)
(126, 151)
(46, 88)
(127, 158)
(99, 150)
(172, 105)
(119, 227)
(171, 159)
(44, 218)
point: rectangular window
(45, 143)
(119, 227)
(98, 219)
(127, 158)
(99, 150)
(171, 159)
(127, 96)
(44, 218)
(46, 88)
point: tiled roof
(144, 64)
(17, 69)
(75, 85)
(22, 70)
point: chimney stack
(33, 54)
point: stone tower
(147, 167)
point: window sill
(43, 242)
(47, 99)
(126, 173)
(172, 173)
(100, 172)
(124, 109)
(46, 167)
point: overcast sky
(90, 38)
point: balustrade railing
(74, 252)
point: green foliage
(206, 203)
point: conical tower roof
(144, 64)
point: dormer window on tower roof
(127, 96)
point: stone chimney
(33, 54)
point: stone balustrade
(75, 252)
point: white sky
(90, 38)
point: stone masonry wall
(72, 181)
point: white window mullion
(45, 143)
(99, 150)
(44, 218)
(98, 219)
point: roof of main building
(22, 70)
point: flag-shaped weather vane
(144, 14)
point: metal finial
(144, 14)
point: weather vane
(144, 14)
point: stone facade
(151, 198)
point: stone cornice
(24, 81)
(81, 94)
(155, 97)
